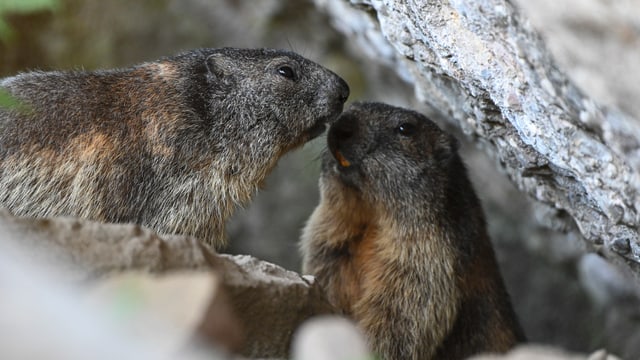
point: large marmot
(399, 242)
(173, 144)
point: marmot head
(390, 156)
(273, 95)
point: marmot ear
(215, 66)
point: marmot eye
(287, 72)
(406, 129)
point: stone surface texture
(483, 66)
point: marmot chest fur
(173, 144)
(399, 242)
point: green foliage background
(8, 7)
(20, 7)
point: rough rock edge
(482, 65)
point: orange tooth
(342, 160)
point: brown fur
(175, 144)
(399, 242)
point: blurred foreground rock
(483, 66)
(77, 289)
(537, 352)
(480, 67)
(193, 306)
(234, 302)
(329, 338)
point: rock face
(583, 37)
(483, 66)
(533, 352)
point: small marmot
(175, 144)
(399, 240)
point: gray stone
(268, 301)
(483, 65)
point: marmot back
(399, 242)
(175, 144)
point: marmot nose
(343, 91)
(343, 130)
